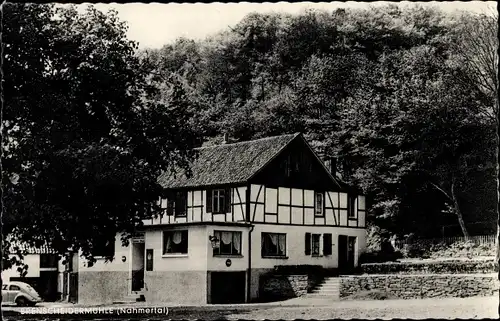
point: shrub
(430, 267)
(299, 269)
(379, 257)
(374, 239)
(423, 249)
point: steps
(329, 287)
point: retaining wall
(273, 287)
(408, 286)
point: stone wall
(275, 287)
(407, 286)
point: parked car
(19, 293)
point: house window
(104, 248)
(352, 207)
(273, 244)
(315, 241)
(48, 261)
(218, 201)
(175, 242)
(229, 243)
(318, 206)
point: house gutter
(249, 273)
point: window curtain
(282, 244)
(177, 237)
(226, 238)
(168, 244)
(237, 242)
(274, 239)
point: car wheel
(21, 301)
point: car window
(14, 288)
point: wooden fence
(478, 240)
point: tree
(426, 122)
(477, 50)
(85, 136)
(366, 86)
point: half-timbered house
(246, 208)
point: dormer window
(319, 204)
(352, 206)
(218, 200)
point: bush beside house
(438, 267)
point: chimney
(332, 165)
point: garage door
(227, 287)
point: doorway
(347, 254)
(137, 265)
(227, 287)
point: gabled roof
(228, 163)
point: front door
(351, 250)
(347, 253)
(137, 265)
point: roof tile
(228, 163)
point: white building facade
(247, 208)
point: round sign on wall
(228, 262)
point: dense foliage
(89, 121)
(384, 90)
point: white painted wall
(218, 263)
(295, 245)
(33, 262)
(116, 265)
(196, 258)
(196, 201)
(276, 207)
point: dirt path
(448, 308)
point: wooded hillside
(403, 98)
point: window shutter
(227, 200)
(209, 201)
(181, 204)
(170, 206)
(308, 244)
(327, 244)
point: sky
(154, 25)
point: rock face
(284, 286)
(407, 286)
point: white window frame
(267, 255)
(320, 212)
(219, 200)
(319, 236)
(352, 207)
(174, 254)
(218, 233)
